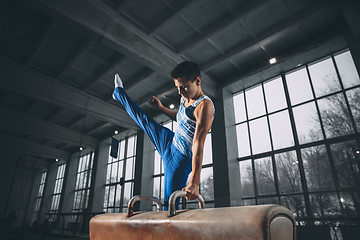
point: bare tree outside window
(316, 176)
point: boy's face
(187, 88)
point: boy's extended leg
(159, 135)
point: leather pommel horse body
(273, 222)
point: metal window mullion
(316, 103)
(275, 177)
(251, 151)
(297, 148)
(123, 175)
(116, 182)
(352, 119)
(327, 145)
(248, 124)
(333, 171)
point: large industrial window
(82, 187)
(39, 196)
(57, 191)
(298, 141)
(120, 177)
(206, 188)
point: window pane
(335, 116)
(207, 184)
(80, 168)
(112, 196)
(296, 204)
(347, 69)
(130, 147)
(106, 196)
(52, 207)
(299, 86)
(118, 195)
(157, 163)
(347, 163)
(87, 198)
(122, 149)
(325, 205)
(108, 174)
(62, 170)
(307, 123)
(324, 77)
(207, 158)
(127, 192)
(247, 180)
(129, 169)
(242, 136)
(85, 178)
(111, 159)
(156, 188)
(249, 202)
(162, 188)
(239, 107)
(120, 170)
(114, 172)
(81, 180)
(264, 176)
(281, 131)
(255, 102)
(350, 202)
(353, 97)
(168, 125)
(275, 96)
(268, 201)
(317, 168)
(89, 179)
(288, 172)
(259, 132)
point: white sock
(117, 81)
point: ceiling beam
(329, 43)
(99, 21)
(97, 127)
(24, 123)
(34, 162)
(54, 114)
(84, 48)
(105, 73)
(139, 78)
(24, 80)
(185, 5)
(16, 145)
(41, 41)
(224, 23)
(268, 34)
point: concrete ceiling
(58, 59)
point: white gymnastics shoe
(117, 81)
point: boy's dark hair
(188, 70)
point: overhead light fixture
(116, 132)
(272, 61)
(357, 152)
(172, 106)
(81, 148)
(57, 160)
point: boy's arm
(158, 105)
(204, 117)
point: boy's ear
(198, 80)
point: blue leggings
(176, 166)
